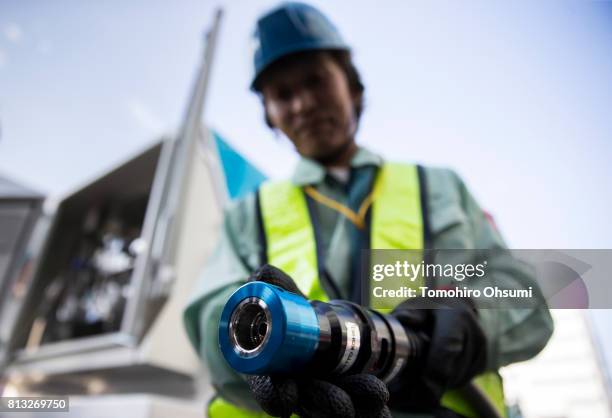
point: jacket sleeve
(513, 334)
(227, 269)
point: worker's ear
(266, 116)
(357, 97)
(267, 119)
(274, 129)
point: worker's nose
(303, 101)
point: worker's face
(308, 98)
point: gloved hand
(455, 351)
(360, 396)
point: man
(340, 200)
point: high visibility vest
(397, 222)
(220, 408)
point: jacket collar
(308, 172)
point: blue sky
(516, 96)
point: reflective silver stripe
(353, 342)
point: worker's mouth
(316, 127)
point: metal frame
(161, 226)
(121, 338)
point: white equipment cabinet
(98, 315)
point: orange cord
(358, 219)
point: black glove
(455, 351)
(360, 395)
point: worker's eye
(314, 80)
(283, 94)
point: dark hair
(344, 60)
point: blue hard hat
(292, 27)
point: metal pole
(163, 245)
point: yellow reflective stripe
(220, 408)
(490, 383)
(397, 217)
(290, 235)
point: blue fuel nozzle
(266, 329)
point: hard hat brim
(292, 50)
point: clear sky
(514, 95)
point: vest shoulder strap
(397, 214)
(289, 235)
